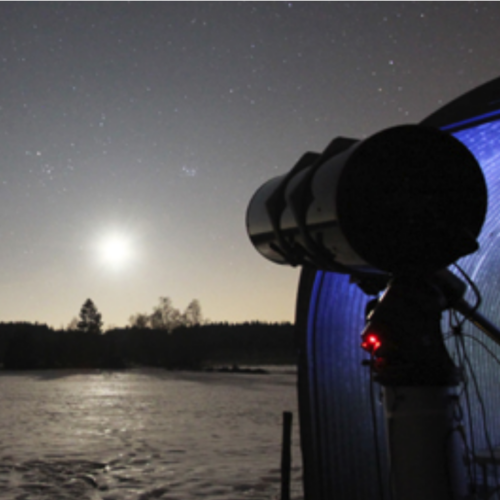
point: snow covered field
(145, 434)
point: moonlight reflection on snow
(148, 434)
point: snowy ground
(143, 435)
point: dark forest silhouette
(26, 346)
(165, 338)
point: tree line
(163, 317)
(164, 338)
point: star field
(158, 121)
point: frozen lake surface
(144, 434)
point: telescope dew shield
(260, 225)
(412, 199)
(407, 200)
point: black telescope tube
(409, 200)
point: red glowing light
(371, 343)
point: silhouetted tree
(73, 324)
(139, 320)
(165, 316)
(192, 316)
(90, 318)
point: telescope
(401, 205)
(375, 223)
(409, 200)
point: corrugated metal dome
(337, 431)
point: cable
(497, 360)
(458, 418)
(465, 392)
(479, 300)
(474, 287)
(483, 413)
(468, 362)
(484, 346)
(461, 432)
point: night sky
(133, 136)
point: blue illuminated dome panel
(484, 268)
(484, 265)
(337, 428)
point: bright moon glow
(115, 251)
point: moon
(115, 251)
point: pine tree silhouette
(90, 318)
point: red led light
(371, 342)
